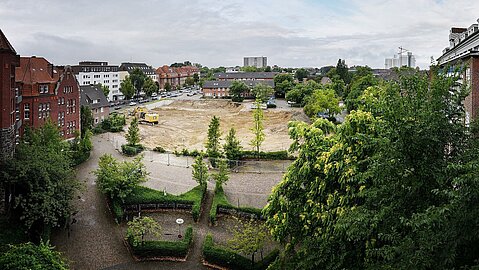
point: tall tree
(301, 74)
(31, 256)
(200, 171)
(322, 101)
(189, 81)
(232, 147)
(262, 92)
(258, 128)
(248, 238)
(138, 78)
(133, 134)
(196, 78)
(167, 86)
(86, 119)
(213, 140)
(222, 176)
(283, 82)
(140, 227)
(42, 179)
(343, 71)
(237, 90)
(150, 86)
(127, 88)
(118, 179)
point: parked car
(132, 103)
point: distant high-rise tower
(259, 62)
(403, 60)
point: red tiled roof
(168, 72)
(5, 44)
(36, 70)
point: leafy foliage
(262, 92)
(283, 82)
(127, 88)
(138, 228)
(118, 180)
(81, 147)
(300, 93)
(86, 119)
(138, 79)
(200, 171)
(237, 90)
(133, 135)
(322, 101)
(301, 74)
(390, 188)
(213, 140)
(232, 147)
(31, 256)
(223, 174)
(150, 86)
(248, 238)
(258, 128)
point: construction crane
(401, 51)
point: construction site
(184, 124)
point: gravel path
(95, 241)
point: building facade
(463, 52)
(245, 76)
(10, 99)
(175, 76)
(220, 89)
(92, 73)
(48, 92)
(403, 60)
(92, 96)
(259, 62)
(126, 68)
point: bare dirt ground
(184, 124)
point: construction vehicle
(145, 117)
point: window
(27, 115)
(43, 88)
(96, 76)
(101, 109)
(106, 81)
(106, 76)
(63, 100)
(48, 106)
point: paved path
(95, 241)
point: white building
(403, 60)
(259, 62)
(93, 73)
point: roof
(142, 66)
(89, 93)
(169, 72)
(36, 70)
(5, 44)
(245, 75)
(227, 84)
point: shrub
(237, 99)
(225, 257)
(131, 150)
(164, 248)
(270, 105)
(159, 149)
(277, 155)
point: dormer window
(43, 88)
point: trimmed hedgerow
(155, 249)
(220, 200)
(224, 257)
(145, 195)
(132, 150)
(277, 155)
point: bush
(270, 105)
(131, 150)
(159, 149)
(164, 248)
(186, 153)
(277, 155)
(237, 99)
(225, 257)
(114, 123)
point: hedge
(145, 195)
(220, 200)
(151, 249)
(159, 149)
(132, 150)
(277, 155)
(225, 257)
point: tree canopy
(232, 147)
(301, 74)
(237, 89)
(31, 256)
(138, 79)
(127, 88)
(283, 82)
(150, 86)
(262, 92)
(393, 187)
(322, 101)
(213, 146)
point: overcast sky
(294, 33)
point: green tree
(196, 78)
(105, 89)
(138, 78)
(133, 134)
(213, 140)
(262, 92)
(138, 228)
(127, 88)
(223, 174)
(301, 74)
(81, 147)
(267, 69)
(42, 179)
(342, 71)
(232, 147)
(31, 256)
(358, 85)
(150, 86)
(283, 83)
(258, 128)
(300, 93)
(86, 119)
(168, 86)
(189, 81)
(200, 171)
(248, 238)
(388, 188)
(117, 179)
(237, 90)
(322, 101)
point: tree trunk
(252, 260)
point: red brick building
(175, 76)
(48, 93)
(9, 99)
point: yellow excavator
(145, 117)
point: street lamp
(179, 221)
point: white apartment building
(259, 62)
(93, 73)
